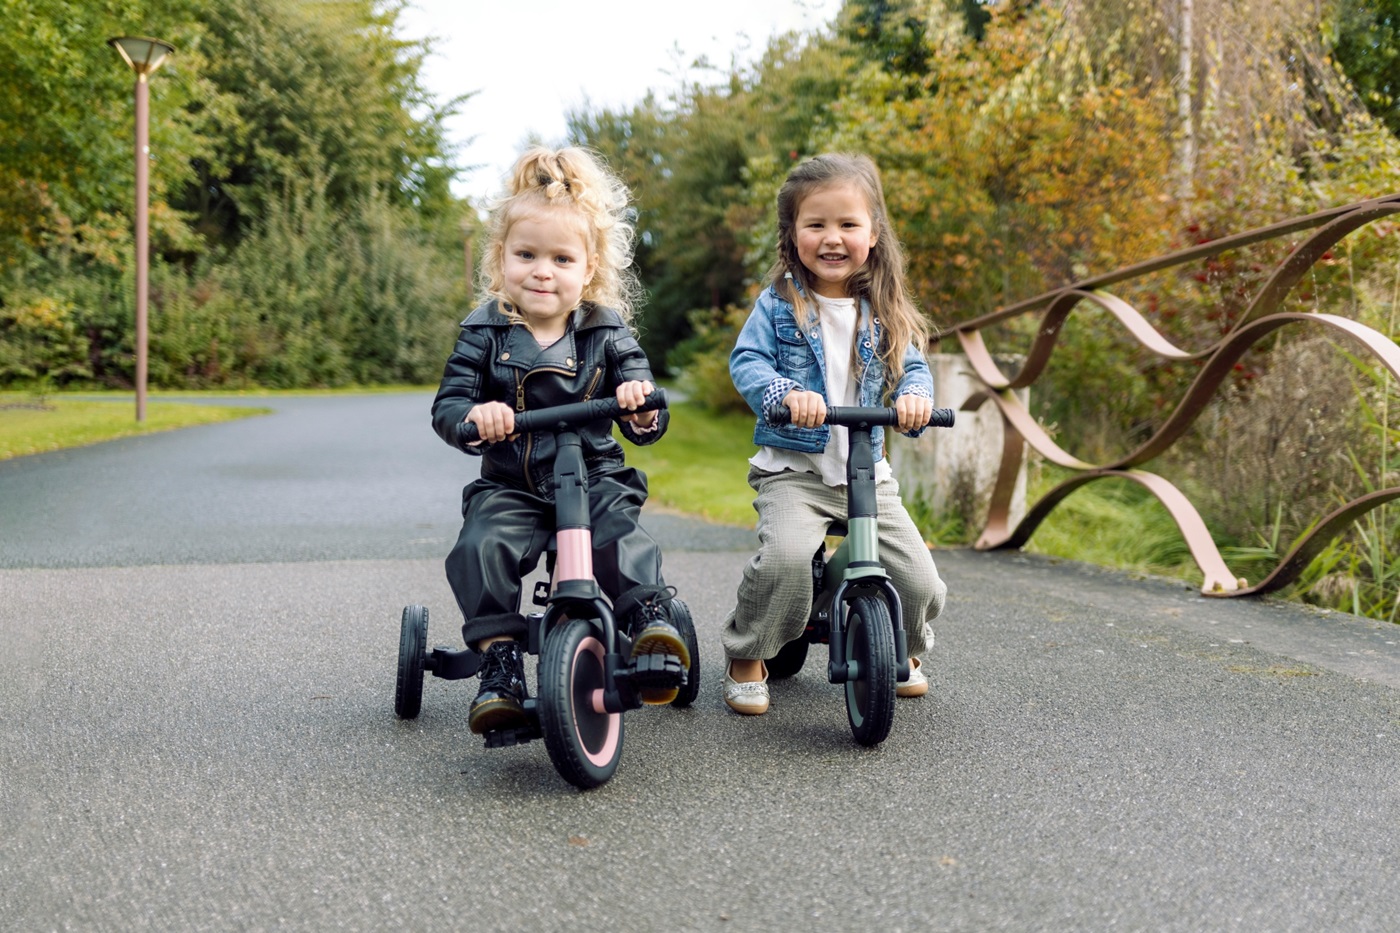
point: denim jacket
(774, 355)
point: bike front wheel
(870, 694)
(584, 740)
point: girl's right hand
(494, 420)
(808, 408)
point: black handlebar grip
(778, 415)
(941, 418)
(561, 417)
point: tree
(1367, 46)
(690, 163)
(302, 227)
(318, 90)
(65, 118)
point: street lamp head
(144, 55)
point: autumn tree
(688, 159)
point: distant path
(324, 478)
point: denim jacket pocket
(794, 355)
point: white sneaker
(916, 685)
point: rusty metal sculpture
(1259, 319)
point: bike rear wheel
(584, 740)
(789, 659)
(870, 694)
(685, 625)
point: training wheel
(413, 636)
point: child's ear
(591, 270)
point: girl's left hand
(631, 395)
(914, 412)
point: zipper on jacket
(529, 438)
(593, 384)
(520, 406)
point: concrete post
(953, 470)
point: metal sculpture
(1260, 319)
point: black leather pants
(505, 531)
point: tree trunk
(1186, 157)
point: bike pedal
(504, 738)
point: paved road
(197, 638)
(324, 478)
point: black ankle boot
(653, 634)
(499, 704)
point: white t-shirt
(838, 318)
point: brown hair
(881, 281)
(576, 180)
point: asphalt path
(198, 633)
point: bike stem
(573, 581)
(857, 559)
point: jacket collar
(586, 315)
(863, 306)
(520, 349)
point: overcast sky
(531, 61)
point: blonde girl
(554, 328)
(835, 326)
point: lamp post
(144, 56)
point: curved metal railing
(1260, 319)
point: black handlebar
(859, 416)
(564, 417)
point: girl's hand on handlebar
(495, 421)
(808, 408)
(631, 396)
(914, 412)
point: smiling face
(545, 264)
(834, 233)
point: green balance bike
(855, 608)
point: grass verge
(30, 425)
(700, 467)
(1113, 523)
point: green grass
(701, 466)
(1113, 523)
(32, 425)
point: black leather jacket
(498, 360)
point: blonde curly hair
(576, 180)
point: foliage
(302, 229)
(39, 340)
(706, 377)
(687, 158)
(698, 467)
(1367, 48)
(318, 91)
